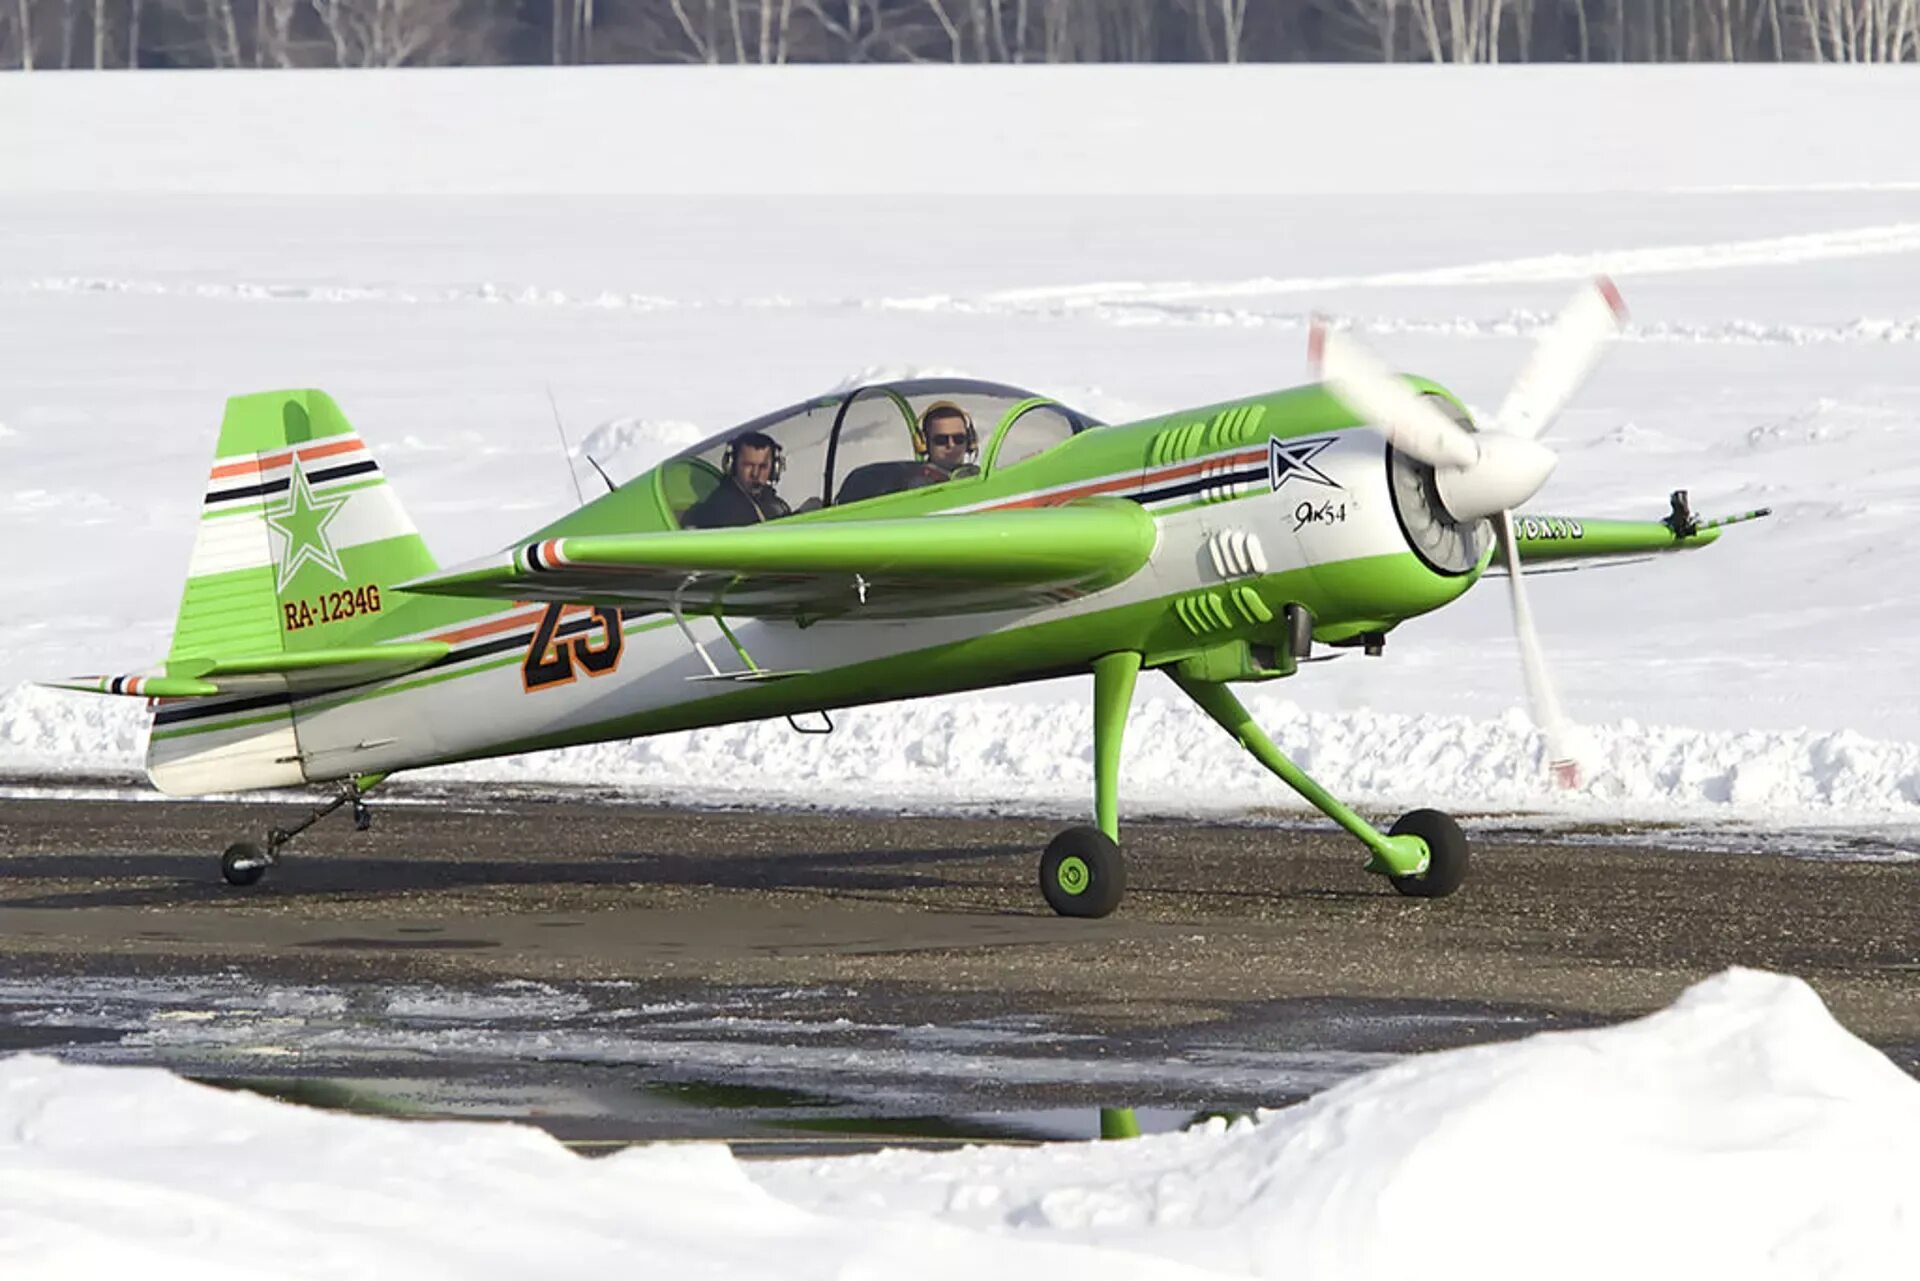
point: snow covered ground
(1741, 1132)
(439, 252)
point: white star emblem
(302, 524)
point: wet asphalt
(1258, 938)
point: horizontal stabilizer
(134, 686)
(801, 568)
(307, 671)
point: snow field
(423, 248)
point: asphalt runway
(618, 971)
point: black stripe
(1187, 487)
(248, 491)
(533, 558)
(281, 485)
(200, 711)
(342, 471)
(483, 648)
(518, 640)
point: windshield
(843, 448)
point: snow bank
(979, 130)
(1741, 1132)
(1036, 754)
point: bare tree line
(51, 34)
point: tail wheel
(243, 863)
(1083, 873)
(1446, 854)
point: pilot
(746, 496)
(951, 442)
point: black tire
(243, 863)
(1083, 873)
(1446, 851)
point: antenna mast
(566, 453)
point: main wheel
(1446, 854)
(1083, 873)
(243, 863)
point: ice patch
(508, 1001)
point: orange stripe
(1067, 495)
(1195, 468)
(271, 461)
(1141, 481)
(507, 624)
(488, 629)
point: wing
(809, 569)
(1559, 543)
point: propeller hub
(1510, 470)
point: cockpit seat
(875, 479)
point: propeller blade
(1563, 759)
(1510, 471)
(1410, 421)
(1561, 360)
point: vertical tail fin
(299, 535)
(298, 522)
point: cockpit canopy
(853, 445)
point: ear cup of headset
(945, 409)
(775, 466)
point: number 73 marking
(551, 660)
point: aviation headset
(755, 440)
(945, 409)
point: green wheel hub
(1072, 875)
(1082, 873)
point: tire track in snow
(1186, 303)
(1518, 323)
(1773, 251)
(1513, 324)
(486, 293)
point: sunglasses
(959, 439)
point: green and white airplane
(894, 541)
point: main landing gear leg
(1424, 855)
(1082, 873)
(245, 862)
